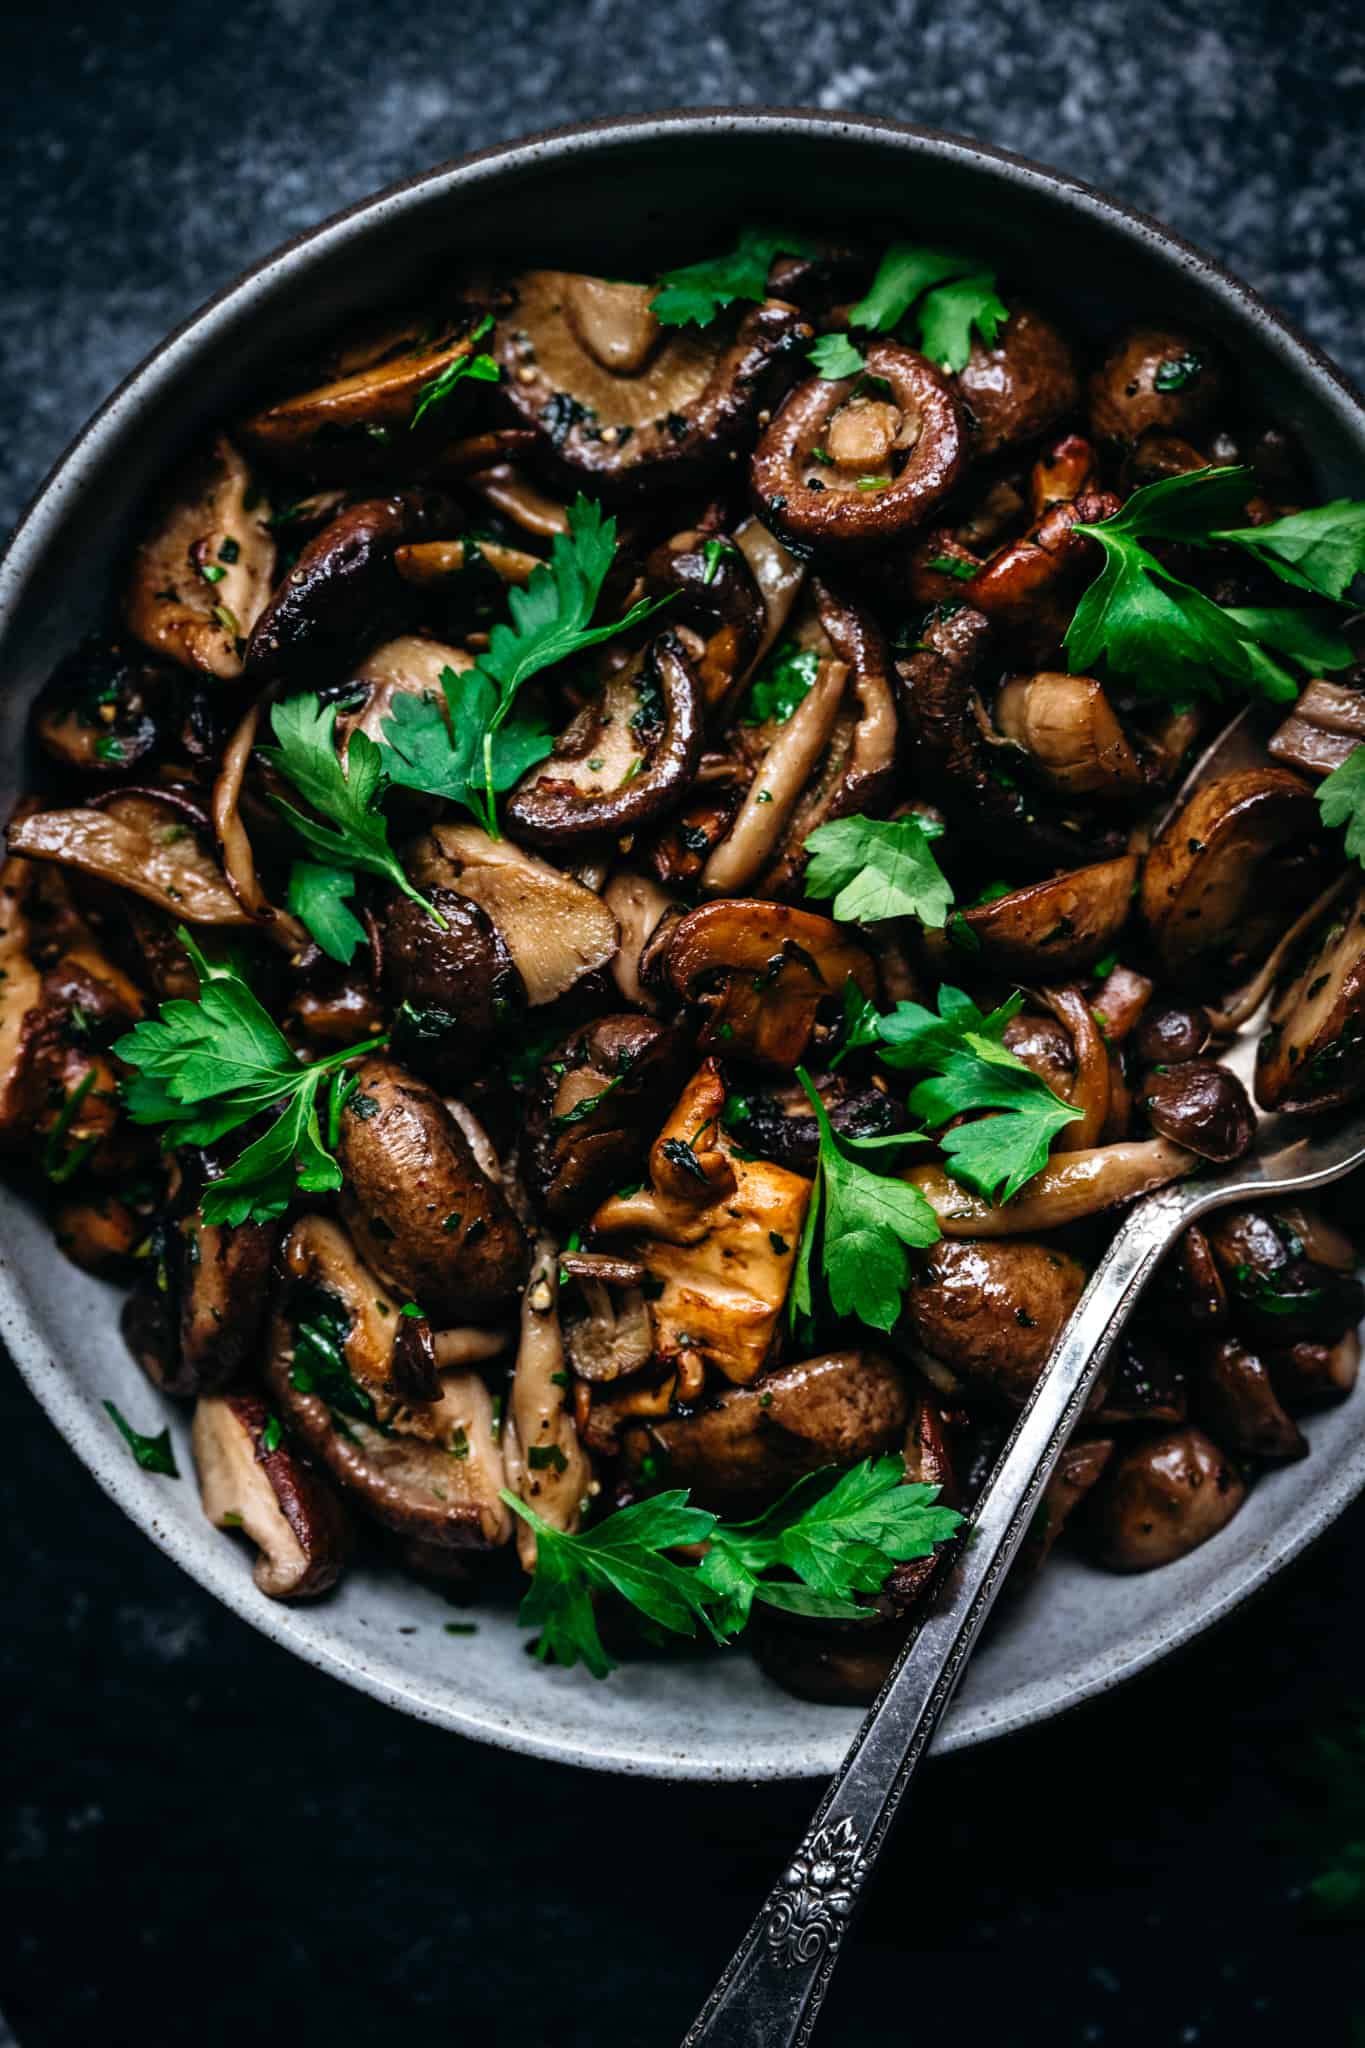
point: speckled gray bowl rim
(543, 1733)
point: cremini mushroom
(1159, 377)
(1162, 1499)
(105, 708)
(1200, 1105)
(1237, 1398)
(1019, 386)
(1078, 1471)
(593, 1110)
(456, 985)
(1056, 927)
(1324, 728)
(202, 571)
(1071, 734)
(993, 1311)
(251, 1479)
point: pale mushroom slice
(1312, 1054)
(202, 572)
(555, 930)
(1072, 1185)
(251, 1479)
(546, 1465)
(139, 841)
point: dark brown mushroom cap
(1145, 1382)
(1235, 1396)
(251, 1478)
(1312, 1054)
(744, 1448)
(457, 988)
(1020, 386)
(416, 1203)
(106, 707)
(777, 1127)
(582, 792)
(343, 594)
(1201, 1106)
(595, 1110)
(763, 971)
(895, 461)
(621, 406)
(1308, 1375)
(1058, 927)
(992, 1311)
(1170, 1032)
(1029, 587)
(715, 595)
(1078, 1470)
(1162, 1499)
(1154, 377)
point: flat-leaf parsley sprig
(834, 1536)
(209, 1066)
(470, 748)
(955, 295)
(696, 294)
(876, 868)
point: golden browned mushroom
(1312, 1054)
(143, 840)
(1068, 728)
(251, 1479)
(1162, 1499)
(105, 708)
(1073, 1185)
(992, 1312)
(762, 971)
(1020, 385)
(1054, 928)
(202, 572)
(593, 1110)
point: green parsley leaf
(1297, 634)
(319, 897)
(868, 1220)
(1321, 549)
(862, 1022)
(787, 673)
(955, 294)
(713, 553)
(1341, 800)
(442, 751)
(208, 1067)
(481, 369)
(623, 1554)
(355, 833)
(973, 1069)
(834, 356)
(153, 1453)
(877, 868)
(948, 315)
(695, 294)
(904, 272)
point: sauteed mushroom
(1019, 386)
(250, 1479)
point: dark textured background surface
(204, 1841)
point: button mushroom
(992, 1312)
(596, 1099)
(1202, 1106)
(1162, 1499)
(841, 472)
(456, 985)
(717, 1235)
(251, 1479)
(762, 972)
(202, 572)
(1020, 385)
(416, 1202)
(1154, 377)
(1078, 1470)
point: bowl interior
(612, 197)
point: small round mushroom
(456, 984)
(992, 1312)
(251, 1479)
(1019, 386)
(1202, 1106)
(416, 1203)
(1154, 377)
(1162, 1499)
(841, 472)
(1236, 1397)
(1171, 1032)
(1078, 1471)
(1068, 728)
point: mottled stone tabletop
(203, 1842)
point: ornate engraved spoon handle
(770, 1993)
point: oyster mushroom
(1222, 879)
(588, 1123)
(251, 1479)
(627, 758)
(1019, 386)
(1311, 1056)
(840, 472)
(416, 1202)
(143, 840)
(555, 930)
(638, 904)
(622, 406)
(202, 571)
(992, 1312)
(1072, 1185)
(717, 1235)
(546, 1465)
(798, 746)
(343, 594)
(1162, 1499)
(762, 972)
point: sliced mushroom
(622, 404)
(1191, 1281)
(638, 904)
(1222, 879)
(436, 562)
(139, 840)
(798, 745)
(750, 1443)
(546, 1464)
(1054, 928)
(430, 1471)
(343, 595)
(628, 757)
(842, 473)
(456, 985)
(1020, 385)
(779, 575)
(202, 572)
(762, 972)
(1073, 1185)
(1237, 1398)
(1154, 377)
(1162, 1499)
(555, 930)
(1312, 1054)
(992, 1312)
(595, 1108)
(1067, 727)
(1324, 728)
(105, 708)
(416, 1203)
(1028, 587)
(717, 1235)
(250, 1479)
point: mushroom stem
(1090, 1089)
(546, 1465)
(1075, 1185)
(239, 861)
(772, 794)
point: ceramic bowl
(610, 194)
